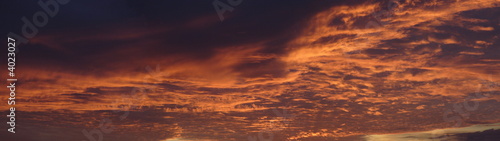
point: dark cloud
(188, 75)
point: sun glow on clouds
(335, 69)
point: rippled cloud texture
(343, 68)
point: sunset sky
(282, 70)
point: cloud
(344, 64)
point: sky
(270, 70)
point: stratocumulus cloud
(342, 68)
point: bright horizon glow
(432, 134)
